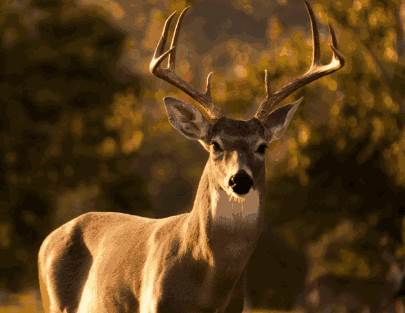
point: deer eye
(261, 149)
(216, 146)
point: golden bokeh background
(83, 128)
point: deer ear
(186, 119)
(277, 121)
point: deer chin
(240, 198)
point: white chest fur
(229, 209)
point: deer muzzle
(241, 182)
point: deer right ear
(190, 122)
(277, 121)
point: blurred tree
(67, 121)
(342, 196)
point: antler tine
(316, 49)
(267, 85)
(208, 85)
(216, 111)
(337, 55)
(172, 56)
(205, 104)
(315, 71)
(158, 55)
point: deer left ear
(277, 121)
(190, 122)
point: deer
(192, 262)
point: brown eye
(216, 146)
(261, 149)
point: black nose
(241, 182)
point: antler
(205, 104)
(315, 71)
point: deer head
(236, 147)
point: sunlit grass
(27, 302)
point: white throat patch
(229, 209)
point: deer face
(237, 148)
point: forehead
(232, 130)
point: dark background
(82, 128)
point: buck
(192, 262)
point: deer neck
(220, 227)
